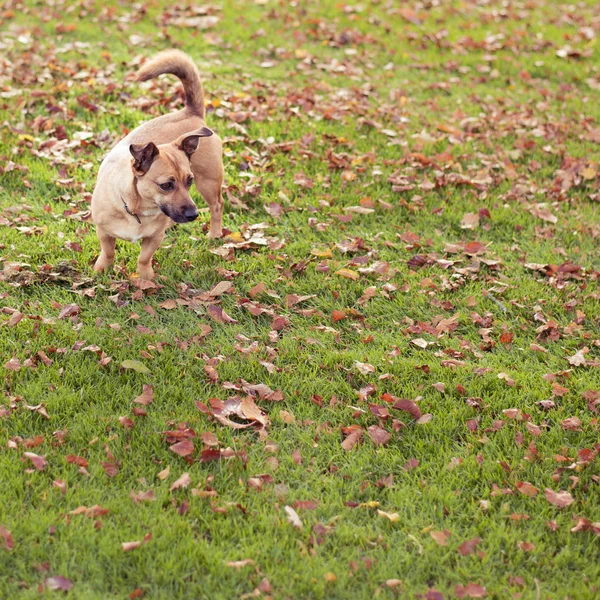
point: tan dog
(143, 183)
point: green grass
(338, 77)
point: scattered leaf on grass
(58, 582)
(182, 482)
(379, 436)
(471, 590)
(292, 517)
(39, 462)
(468, 547)
(127, 546)
(561, 498)
(525, 488)
(7, 538)
(183, 448)
(135, 365)
(440, 537)
(348, 274)
(352, 438)
(239, 564)
(408, 406)
(393, 517)
(147, 395)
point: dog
(143, 184)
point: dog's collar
(128, 211)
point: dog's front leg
(210, 189)
(149, 247)
(107, 251)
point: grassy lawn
(394, 390)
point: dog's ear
(143, 156)
(189, 142)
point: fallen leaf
(7, 538)
(348, 274)
(218, 314)
(293, 517)
(135, 365)
(578, 359)
(379, 436)
(128, 546)
(364, 368)
(182, 482)
(183, 448)
(393, 517)
(147, 395)
(58, 582)
(39, 462)
(468, 547)
(440, 537)
(408, 406)
(471, 590)
(239, 564)
(352, 439)
(470, 221)
(525, 488)
(562, 498)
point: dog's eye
(189, 181)
(167, 187)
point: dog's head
(163, 174)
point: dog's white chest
(128, 234)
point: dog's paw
(101, 265)
(146, 273)
(215, 234)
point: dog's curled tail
(181, 65)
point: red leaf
(69, 310)
(572, 423)
(338, 315)
(379, 436)
(561, 498)
(408, 406)
(469, 546)
(111, 469)
(527, 489)
(352, 439)
(77, 460)
(218, 314)
(147, 395)
(6, 536)
(184, 448)
(182, 482)
(297, 457)
(472, 590)
(39, 462)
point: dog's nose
(190, 213)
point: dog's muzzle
(188, 214)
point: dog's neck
(134, 203)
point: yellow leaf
(322, 253)
(235, 237)
(589, 173)
(369, 504)
(393, 517)
(348, 274)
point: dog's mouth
(185, 215)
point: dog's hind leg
(107, 251)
